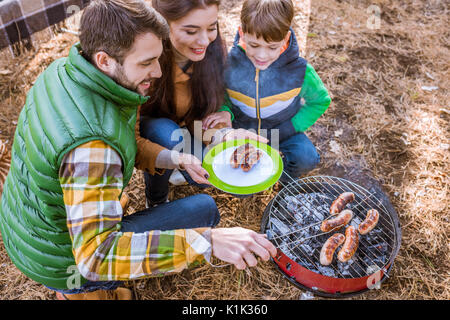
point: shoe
(117, 294)
(177, 178)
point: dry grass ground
(381, 112)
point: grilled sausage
(329, 247)
(350, 245)
(341, 202)
(339, 221)
(239, 154)
(370, 222)
(251, 159)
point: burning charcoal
(345, 268)
(292, 200)
(356, 221)
(307, 249)
(292, 207)
(280, 226)
(327, 271)
(319, 216)
(298, 218)
(290, 255)
(345, 271)
(379, 247)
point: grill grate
(295, 215)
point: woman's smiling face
(192, 34)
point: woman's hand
(215, 118)
(193, 167)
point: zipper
(258, 110)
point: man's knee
(206, 204)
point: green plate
(261, 177)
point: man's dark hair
(112, 26)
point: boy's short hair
(112, 26)
(269, 19)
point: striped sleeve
(91, 179)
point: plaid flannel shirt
(91, 179)
(19, 19)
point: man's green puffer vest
(70, 103)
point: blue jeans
(300, 157)
(191, 212)
(165, 133)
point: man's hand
(237, 246)
(243, 134)
(193, 166)
(215, 118)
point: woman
(190, 90)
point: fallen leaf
(427, 88)
(334, 147)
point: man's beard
(120, 77)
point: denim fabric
(191, 212)
(300, 157)
(166, 133)
(195, 211)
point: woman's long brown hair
(207, 84)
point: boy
(267, 80)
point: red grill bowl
(326, 286)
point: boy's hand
(243, 134)
(238, 246)
(193, 166)
(215, 118)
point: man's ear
(104, 62)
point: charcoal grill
(292, 223)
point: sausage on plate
(251, 159)
(329, 247)
(239, 154)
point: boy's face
(261, 53)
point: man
(73, 154)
